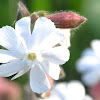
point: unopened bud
(67, 19)
(34, 17)
(22, 11)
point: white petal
(11, 68)
(52, 69)
(9, 40)
(22, 28)
(6, 56)
(7, 37)
(22, 72)
(45, 34)
(38, 80)
(57, 55)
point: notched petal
(57, 55)
(38, 80)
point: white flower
(89, 64)
(73, 90)
(34, 51)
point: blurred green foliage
(80, 38)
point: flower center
(31, 56)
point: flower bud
(34, 17)
(22, 11)
(67, 19)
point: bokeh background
(80, 38)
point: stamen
(31, 56)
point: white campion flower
(89, 64)
(73, 90)
(34, 51)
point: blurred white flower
(73, 90)
(89, 64)
(34, 51)
(66, 40)
(87, 97)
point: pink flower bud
(67, 19)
